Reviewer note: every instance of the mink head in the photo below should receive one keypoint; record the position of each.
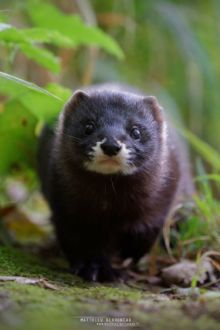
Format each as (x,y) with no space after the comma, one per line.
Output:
(111,132)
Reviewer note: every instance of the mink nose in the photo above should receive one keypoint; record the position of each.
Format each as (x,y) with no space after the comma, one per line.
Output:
(110,148)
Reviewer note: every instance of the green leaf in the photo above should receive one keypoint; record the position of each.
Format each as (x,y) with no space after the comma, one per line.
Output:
(41,56)
(205,150)
(10,34)
(48,36)
(12,90)
(17,140)
(26,84)
(62,92)
(43,107)
(47,16)
(23,39)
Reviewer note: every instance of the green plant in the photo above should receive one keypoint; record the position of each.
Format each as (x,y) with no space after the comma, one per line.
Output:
(27,106)
(200,231)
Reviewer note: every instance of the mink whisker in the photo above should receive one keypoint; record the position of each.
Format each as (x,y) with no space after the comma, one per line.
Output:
(72,137)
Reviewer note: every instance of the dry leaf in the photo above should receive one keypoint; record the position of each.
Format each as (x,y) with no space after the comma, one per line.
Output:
(184,272)
(22,228)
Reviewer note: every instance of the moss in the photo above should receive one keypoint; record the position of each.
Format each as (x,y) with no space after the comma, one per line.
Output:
(34,307)
(16,262)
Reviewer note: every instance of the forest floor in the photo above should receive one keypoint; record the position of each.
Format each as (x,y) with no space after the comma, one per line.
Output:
(39,293)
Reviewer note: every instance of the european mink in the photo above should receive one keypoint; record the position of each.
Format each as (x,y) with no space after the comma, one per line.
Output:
(111,171)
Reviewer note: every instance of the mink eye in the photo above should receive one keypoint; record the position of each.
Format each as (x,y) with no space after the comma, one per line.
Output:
(89,128)
(135,133)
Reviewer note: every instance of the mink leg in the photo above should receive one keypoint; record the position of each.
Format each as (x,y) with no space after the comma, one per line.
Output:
(95,269)
(136,244)
(86,256)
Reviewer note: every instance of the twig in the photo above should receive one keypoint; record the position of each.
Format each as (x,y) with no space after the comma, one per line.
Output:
(207,285)
(25,280)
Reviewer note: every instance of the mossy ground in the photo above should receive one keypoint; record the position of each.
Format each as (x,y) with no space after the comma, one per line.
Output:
(35,307)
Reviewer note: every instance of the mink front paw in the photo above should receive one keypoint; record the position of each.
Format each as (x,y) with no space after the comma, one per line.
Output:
(95,270)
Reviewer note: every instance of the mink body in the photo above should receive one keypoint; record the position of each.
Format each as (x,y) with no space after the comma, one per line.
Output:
(111,171)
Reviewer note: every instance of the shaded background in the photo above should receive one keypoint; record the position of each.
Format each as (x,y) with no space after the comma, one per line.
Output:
(166,48)
(171,50)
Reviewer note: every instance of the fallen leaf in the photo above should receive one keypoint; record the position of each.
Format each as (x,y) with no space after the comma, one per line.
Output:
(183,273)
(21,228)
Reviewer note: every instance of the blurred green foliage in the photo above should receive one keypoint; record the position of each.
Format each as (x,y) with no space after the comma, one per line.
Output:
(171,50)
(27,106)
(168,48)
(201,231)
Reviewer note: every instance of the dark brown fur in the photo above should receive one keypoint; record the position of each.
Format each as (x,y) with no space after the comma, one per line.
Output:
(96,216)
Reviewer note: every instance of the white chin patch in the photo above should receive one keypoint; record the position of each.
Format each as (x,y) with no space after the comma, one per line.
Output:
(104,164)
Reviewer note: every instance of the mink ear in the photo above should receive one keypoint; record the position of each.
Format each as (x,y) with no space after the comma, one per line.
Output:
(78,97)
(152,104)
